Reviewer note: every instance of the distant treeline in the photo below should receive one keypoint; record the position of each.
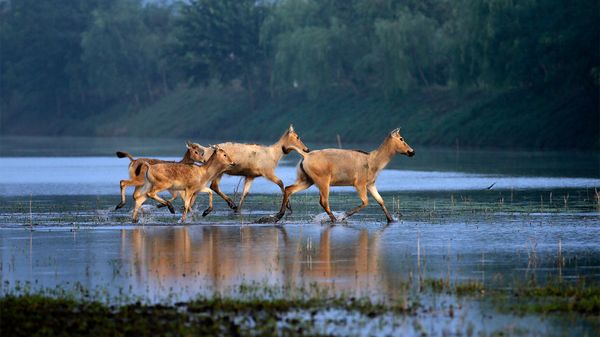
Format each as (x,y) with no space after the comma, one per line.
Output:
(63,62)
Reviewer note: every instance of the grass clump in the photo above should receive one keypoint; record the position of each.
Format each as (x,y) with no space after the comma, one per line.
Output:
(579,298)
(440,285)
(37,315)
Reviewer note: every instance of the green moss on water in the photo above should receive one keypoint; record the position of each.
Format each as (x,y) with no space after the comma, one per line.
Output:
(579,298)
(469,288)
(36,315)
(442,285)
(260,310)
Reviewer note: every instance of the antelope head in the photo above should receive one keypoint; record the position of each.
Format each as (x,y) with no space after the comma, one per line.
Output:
(222,157)
(399,144)
(290,138)
(196,151)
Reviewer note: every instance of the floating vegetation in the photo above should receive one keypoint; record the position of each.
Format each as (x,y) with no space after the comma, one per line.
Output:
(262,310)
(581,298)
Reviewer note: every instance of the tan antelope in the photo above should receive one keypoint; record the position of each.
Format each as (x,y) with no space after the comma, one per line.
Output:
(137,170)
(186,179)
(336,167)
(255,160)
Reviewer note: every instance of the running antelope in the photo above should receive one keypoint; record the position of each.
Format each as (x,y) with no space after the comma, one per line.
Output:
(137,170)
(336,167)
(186,179)
(255,160)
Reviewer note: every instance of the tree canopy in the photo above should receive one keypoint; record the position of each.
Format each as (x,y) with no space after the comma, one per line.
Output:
(78,58)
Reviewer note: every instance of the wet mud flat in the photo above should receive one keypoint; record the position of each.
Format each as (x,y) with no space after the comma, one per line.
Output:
(470,263)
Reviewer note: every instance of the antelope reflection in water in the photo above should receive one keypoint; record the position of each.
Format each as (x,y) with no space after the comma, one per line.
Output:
(192,259)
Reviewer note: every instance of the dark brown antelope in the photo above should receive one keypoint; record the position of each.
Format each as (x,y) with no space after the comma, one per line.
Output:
(137,170)
(187,179)
(256,161)
(336,167)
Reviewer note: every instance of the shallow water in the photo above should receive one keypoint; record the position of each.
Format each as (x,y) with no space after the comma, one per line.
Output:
(156,262)
(100,176)
(539,222)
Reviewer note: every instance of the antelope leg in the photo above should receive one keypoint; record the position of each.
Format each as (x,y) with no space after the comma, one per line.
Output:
(215,187)
(373,190)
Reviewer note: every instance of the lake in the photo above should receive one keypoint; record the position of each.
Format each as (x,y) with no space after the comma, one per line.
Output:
(539,222)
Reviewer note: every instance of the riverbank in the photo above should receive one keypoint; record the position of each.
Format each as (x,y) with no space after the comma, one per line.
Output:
(550,119)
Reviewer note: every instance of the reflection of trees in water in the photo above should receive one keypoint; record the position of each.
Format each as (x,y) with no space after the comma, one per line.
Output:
(219,257)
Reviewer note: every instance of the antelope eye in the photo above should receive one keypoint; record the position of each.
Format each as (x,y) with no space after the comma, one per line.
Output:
(402,139)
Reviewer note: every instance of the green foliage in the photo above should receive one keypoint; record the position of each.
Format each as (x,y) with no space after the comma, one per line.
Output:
(123,51)
(40,62)
(527,43)
(582,298)
(64,61)
(507,119)
(219,39)
(39,315)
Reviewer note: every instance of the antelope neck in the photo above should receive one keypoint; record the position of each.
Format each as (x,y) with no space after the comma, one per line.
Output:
(380,157)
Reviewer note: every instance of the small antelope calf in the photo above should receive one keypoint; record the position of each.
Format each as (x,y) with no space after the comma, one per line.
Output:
(187,179)
(255,160)
(336,167)
(137,170)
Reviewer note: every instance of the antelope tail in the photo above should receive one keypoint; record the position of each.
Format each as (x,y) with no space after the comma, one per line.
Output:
(139,168)
(121,154)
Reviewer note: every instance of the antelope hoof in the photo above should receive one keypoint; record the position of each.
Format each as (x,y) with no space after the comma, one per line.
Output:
(134,220)
(171,208)
(270,218)
(207,211)
(120,205)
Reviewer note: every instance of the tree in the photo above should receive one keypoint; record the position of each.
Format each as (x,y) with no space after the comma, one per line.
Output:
(528,43)
(220,40)
(40,64)
(124,51)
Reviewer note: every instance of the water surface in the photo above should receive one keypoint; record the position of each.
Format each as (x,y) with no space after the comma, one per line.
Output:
(100,176)
(502,219)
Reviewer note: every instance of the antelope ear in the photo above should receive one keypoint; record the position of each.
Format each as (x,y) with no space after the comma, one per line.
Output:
(291,128)
(188,144)
(395,132)
(201,148)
